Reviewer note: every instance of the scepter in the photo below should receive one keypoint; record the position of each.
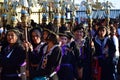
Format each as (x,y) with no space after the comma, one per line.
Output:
(89,41)
(88,12)
(25,68)
(24,19)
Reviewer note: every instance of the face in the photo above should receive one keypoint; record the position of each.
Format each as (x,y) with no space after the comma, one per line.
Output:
(11,37)
(96,27)
(113,31)
(63,40)
(102,33)
(45,35)
(36,38)
(79,34)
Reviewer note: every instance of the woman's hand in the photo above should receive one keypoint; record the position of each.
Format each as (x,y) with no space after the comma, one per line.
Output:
(27,45)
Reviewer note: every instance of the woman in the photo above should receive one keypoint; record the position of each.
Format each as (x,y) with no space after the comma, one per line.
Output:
(104,50)
(51,56)
(67,65)
(115,56)
(82,50)
(12,56)
(34,49)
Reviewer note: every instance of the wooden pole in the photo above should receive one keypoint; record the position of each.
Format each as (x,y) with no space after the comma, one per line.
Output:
(89,11)
(27,55)
(25,67)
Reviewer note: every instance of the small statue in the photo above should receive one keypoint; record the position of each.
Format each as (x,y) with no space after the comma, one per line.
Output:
(107,6)
(45,5)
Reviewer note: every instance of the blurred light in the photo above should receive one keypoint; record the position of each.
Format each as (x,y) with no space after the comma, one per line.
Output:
(1,0)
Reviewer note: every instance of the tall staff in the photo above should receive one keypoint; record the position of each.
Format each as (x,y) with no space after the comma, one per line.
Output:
(56,12)
(89,12)
(25,67)
(24,19)
(107,7)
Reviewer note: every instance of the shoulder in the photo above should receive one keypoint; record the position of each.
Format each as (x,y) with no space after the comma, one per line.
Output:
(72,43)
(56,47)
(19,48)
(43,45)
(56,50)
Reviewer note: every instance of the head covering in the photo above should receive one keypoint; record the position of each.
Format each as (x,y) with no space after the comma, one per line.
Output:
(69,34)
(52,37)
(38,31)
(15,30)
(50,28)
(78,27)
(63,34)
(62,29)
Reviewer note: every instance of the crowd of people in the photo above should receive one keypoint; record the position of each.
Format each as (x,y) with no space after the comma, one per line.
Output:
(59,53)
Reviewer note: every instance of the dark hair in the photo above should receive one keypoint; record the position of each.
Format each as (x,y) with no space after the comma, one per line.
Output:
(33,30)
(52,37)
(69,34)
(78,27)
(102,28)
(112,28)
(16,31)
(50,27)
(63,34)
